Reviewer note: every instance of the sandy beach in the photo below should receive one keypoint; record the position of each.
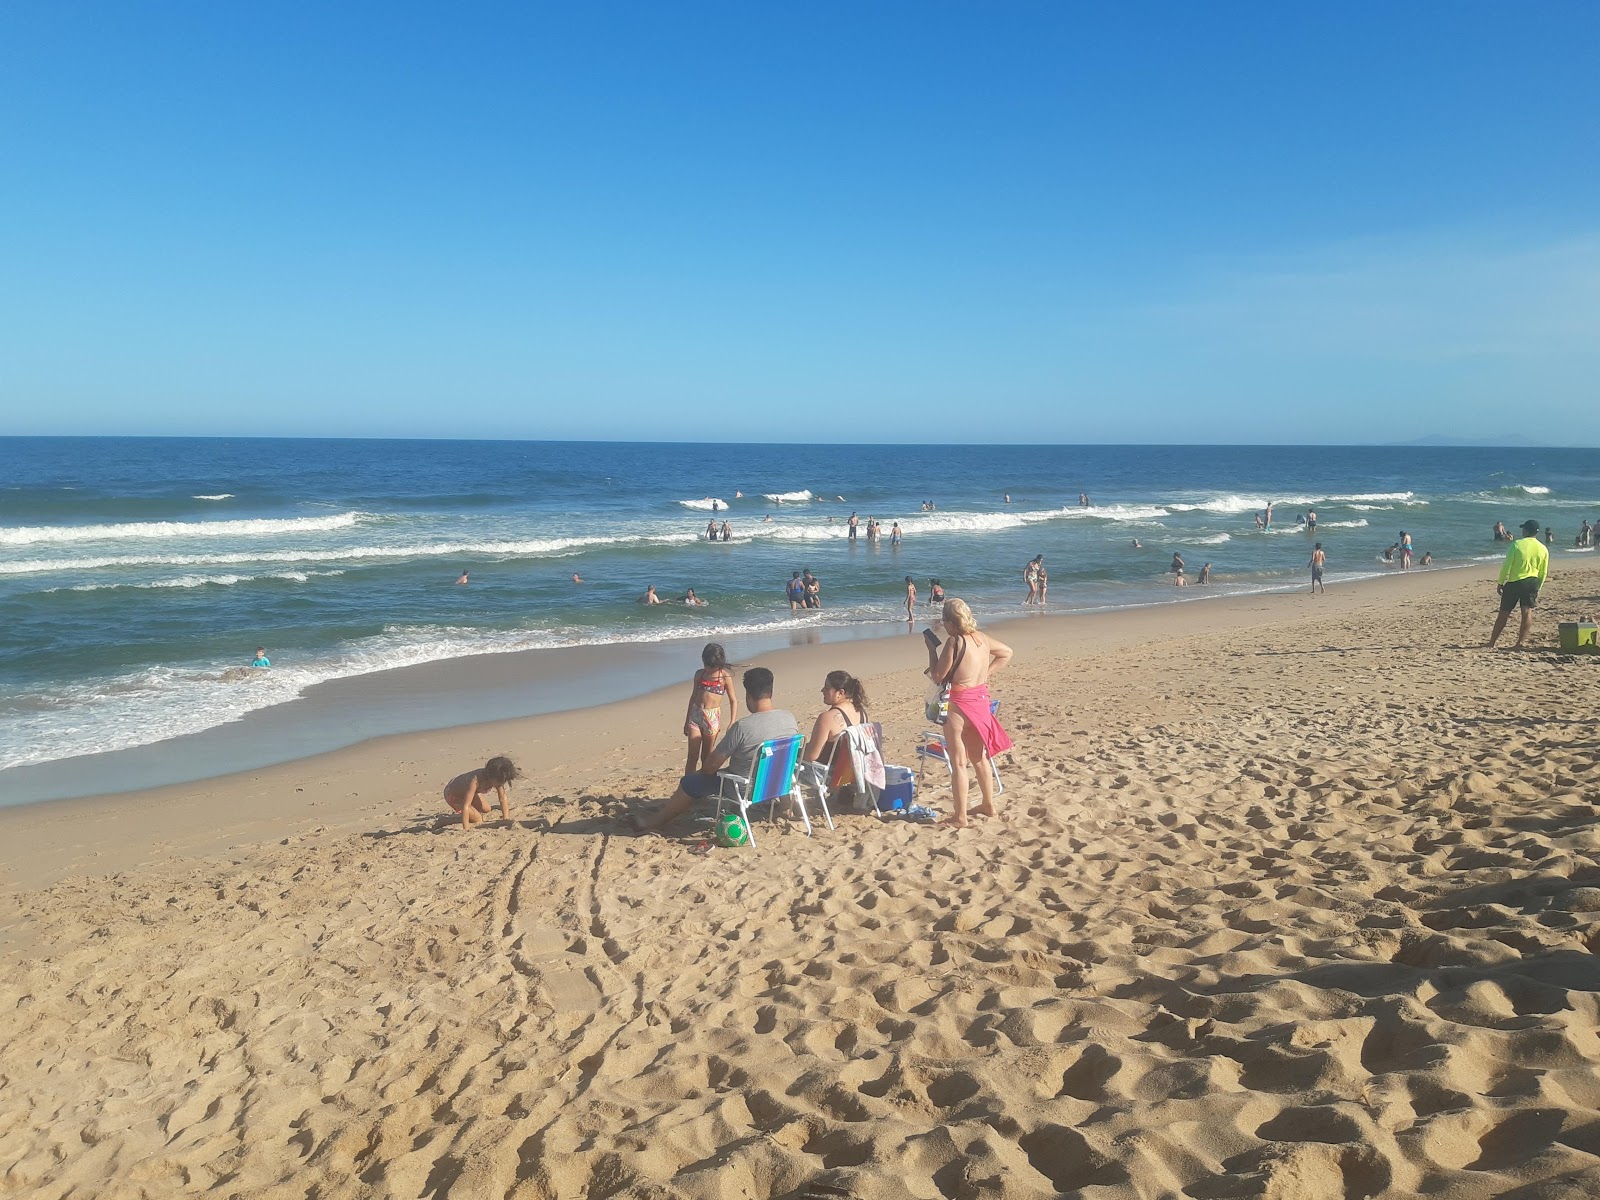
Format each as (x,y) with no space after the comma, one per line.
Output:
(1288,896)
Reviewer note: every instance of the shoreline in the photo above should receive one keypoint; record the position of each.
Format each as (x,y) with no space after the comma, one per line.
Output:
(476,689)
(356,785)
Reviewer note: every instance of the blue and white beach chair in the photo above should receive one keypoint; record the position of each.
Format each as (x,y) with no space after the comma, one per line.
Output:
(770,780)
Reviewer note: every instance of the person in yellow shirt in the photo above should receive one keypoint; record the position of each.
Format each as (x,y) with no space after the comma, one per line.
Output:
(1526,566)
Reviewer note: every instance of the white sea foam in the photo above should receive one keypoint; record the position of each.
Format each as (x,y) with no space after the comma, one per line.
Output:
(1358,523)
(788,497)
(194,581)
(1216,539)
(152,705)
(709,504)
(1233,503)
(29,535)
(1117,512)
(1531,489)
(534,547)
(218,496)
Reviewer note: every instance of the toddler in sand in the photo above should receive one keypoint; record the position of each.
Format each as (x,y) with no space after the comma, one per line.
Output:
(468,792)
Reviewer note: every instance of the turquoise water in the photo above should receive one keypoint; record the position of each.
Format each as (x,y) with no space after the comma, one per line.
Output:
(138,575)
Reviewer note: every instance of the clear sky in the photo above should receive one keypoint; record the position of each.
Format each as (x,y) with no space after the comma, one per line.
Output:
(817,221)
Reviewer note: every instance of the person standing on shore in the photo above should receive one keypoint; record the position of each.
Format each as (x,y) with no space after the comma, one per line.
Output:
(1318,558)
(971,732)
(1030,576)
(1405,551)
(702,723)
(1524,571)
(911,600)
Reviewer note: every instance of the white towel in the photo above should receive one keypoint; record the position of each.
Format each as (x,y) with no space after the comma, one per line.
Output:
(867,755)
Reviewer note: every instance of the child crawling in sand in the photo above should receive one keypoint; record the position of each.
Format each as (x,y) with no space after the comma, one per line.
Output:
(468,793)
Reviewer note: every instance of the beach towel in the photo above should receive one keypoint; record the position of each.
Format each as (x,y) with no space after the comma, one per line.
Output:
(858,764)
(867,755)
(973,704)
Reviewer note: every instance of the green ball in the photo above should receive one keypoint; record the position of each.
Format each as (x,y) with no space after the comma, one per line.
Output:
(731,830)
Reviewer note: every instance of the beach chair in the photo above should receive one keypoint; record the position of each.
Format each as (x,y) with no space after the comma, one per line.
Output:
(931,748)
(844,768)
(771,779)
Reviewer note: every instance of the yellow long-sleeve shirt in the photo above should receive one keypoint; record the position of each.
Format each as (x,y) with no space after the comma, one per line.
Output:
(1526,558)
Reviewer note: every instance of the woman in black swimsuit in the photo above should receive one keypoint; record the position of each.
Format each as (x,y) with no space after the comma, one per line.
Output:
(847,705)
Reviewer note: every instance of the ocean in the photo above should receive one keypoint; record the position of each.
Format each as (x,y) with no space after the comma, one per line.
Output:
(137,575)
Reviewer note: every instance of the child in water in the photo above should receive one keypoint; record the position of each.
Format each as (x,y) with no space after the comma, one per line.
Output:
(468,793)
(702,724)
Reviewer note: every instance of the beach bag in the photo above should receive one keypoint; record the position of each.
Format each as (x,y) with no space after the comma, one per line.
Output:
(936,706)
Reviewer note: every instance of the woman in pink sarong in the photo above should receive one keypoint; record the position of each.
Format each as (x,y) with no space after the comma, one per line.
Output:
(972,734)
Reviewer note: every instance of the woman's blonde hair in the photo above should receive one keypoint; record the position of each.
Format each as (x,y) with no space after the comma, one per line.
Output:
(958,614)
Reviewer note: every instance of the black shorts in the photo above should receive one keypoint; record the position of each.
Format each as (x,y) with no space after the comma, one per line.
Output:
(1519,591)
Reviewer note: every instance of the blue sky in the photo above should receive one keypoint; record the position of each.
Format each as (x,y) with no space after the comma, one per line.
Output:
(1002,222)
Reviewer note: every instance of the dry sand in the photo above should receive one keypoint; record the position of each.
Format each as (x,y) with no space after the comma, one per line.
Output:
(1287,897)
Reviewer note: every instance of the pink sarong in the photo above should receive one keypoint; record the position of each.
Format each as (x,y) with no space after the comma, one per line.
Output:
(973,705)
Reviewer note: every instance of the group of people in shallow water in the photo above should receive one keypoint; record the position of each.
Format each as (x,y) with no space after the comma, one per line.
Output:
(688,598)
(960,664)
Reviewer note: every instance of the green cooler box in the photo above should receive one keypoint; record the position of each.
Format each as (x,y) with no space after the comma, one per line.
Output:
(1579,637)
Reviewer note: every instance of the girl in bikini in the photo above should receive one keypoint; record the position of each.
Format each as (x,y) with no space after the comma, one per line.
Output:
(702,724)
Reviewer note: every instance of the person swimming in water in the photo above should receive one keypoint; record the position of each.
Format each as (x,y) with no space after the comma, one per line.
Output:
(462,581)
(261,658)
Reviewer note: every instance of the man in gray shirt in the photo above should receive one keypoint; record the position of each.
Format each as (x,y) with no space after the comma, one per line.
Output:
(736,752)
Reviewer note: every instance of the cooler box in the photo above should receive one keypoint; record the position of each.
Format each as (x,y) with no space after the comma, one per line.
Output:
(897,789)
(1579,637)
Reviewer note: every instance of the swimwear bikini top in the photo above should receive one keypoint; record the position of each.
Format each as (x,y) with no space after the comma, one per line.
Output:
(713,684)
